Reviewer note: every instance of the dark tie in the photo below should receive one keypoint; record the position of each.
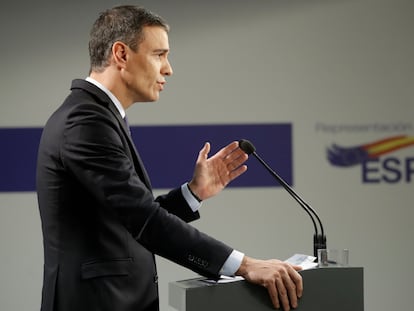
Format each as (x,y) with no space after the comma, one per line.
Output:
(127,124)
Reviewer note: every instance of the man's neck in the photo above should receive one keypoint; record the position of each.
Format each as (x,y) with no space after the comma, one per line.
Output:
(108,79)
(113,98)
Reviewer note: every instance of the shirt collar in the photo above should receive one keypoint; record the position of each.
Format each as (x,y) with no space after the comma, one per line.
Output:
(114,100)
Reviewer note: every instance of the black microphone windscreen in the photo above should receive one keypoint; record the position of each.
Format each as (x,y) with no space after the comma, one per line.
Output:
(246,146)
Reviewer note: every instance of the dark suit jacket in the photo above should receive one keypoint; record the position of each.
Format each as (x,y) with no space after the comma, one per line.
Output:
(101,224)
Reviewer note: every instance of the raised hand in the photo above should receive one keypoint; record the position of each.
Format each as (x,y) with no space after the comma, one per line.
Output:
(211,175)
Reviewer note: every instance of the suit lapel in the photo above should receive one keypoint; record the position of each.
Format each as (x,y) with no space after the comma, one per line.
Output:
(142,172)
(103,98)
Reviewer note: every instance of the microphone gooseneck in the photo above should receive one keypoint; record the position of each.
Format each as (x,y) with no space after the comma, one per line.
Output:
(319,240)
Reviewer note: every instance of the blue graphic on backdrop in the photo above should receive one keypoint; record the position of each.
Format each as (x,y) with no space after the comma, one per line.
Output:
(18,158)
(169,153)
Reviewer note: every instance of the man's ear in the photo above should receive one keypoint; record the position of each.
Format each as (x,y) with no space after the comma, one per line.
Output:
(119,53)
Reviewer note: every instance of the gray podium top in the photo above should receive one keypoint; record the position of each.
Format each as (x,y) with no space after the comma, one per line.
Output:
(331,288)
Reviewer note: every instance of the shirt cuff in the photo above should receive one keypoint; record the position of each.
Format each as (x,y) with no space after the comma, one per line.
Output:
(232,264)
(191,200)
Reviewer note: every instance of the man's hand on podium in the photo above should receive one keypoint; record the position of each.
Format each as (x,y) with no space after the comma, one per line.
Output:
(281,280)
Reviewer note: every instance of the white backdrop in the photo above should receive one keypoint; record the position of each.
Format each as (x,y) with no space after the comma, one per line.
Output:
(311,63)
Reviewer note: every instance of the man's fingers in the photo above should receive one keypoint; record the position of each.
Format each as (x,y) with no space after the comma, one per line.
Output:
(285,289)
(297,279)
(282,281)
(273,293)
(236,173)
(291,292)
(228,150)
(203,154)
(235,159)
(283,294)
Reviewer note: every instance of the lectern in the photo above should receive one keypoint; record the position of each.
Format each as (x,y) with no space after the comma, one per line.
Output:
(328,288)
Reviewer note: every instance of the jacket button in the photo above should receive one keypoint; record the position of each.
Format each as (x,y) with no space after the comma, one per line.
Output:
(156,279)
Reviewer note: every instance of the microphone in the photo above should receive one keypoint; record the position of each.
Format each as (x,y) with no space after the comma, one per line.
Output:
(319,239)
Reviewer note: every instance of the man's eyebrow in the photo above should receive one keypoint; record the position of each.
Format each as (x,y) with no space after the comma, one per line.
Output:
(161,50)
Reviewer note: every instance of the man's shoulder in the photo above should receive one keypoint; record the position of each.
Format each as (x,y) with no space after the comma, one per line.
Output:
(81,88)
(80,104)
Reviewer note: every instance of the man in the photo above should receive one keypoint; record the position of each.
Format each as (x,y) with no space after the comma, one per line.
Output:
(101,224)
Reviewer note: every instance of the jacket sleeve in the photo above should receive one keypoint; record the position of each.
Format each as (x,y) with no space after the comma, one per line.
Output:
(175,203)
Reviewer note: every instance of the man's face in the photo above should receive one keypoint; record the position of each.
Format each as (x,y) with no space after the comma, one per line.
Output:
(146,68)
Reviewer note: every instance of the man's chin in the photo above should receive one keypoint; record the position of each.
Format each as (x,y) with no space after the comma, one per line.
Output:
(154,97)
(148,99)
